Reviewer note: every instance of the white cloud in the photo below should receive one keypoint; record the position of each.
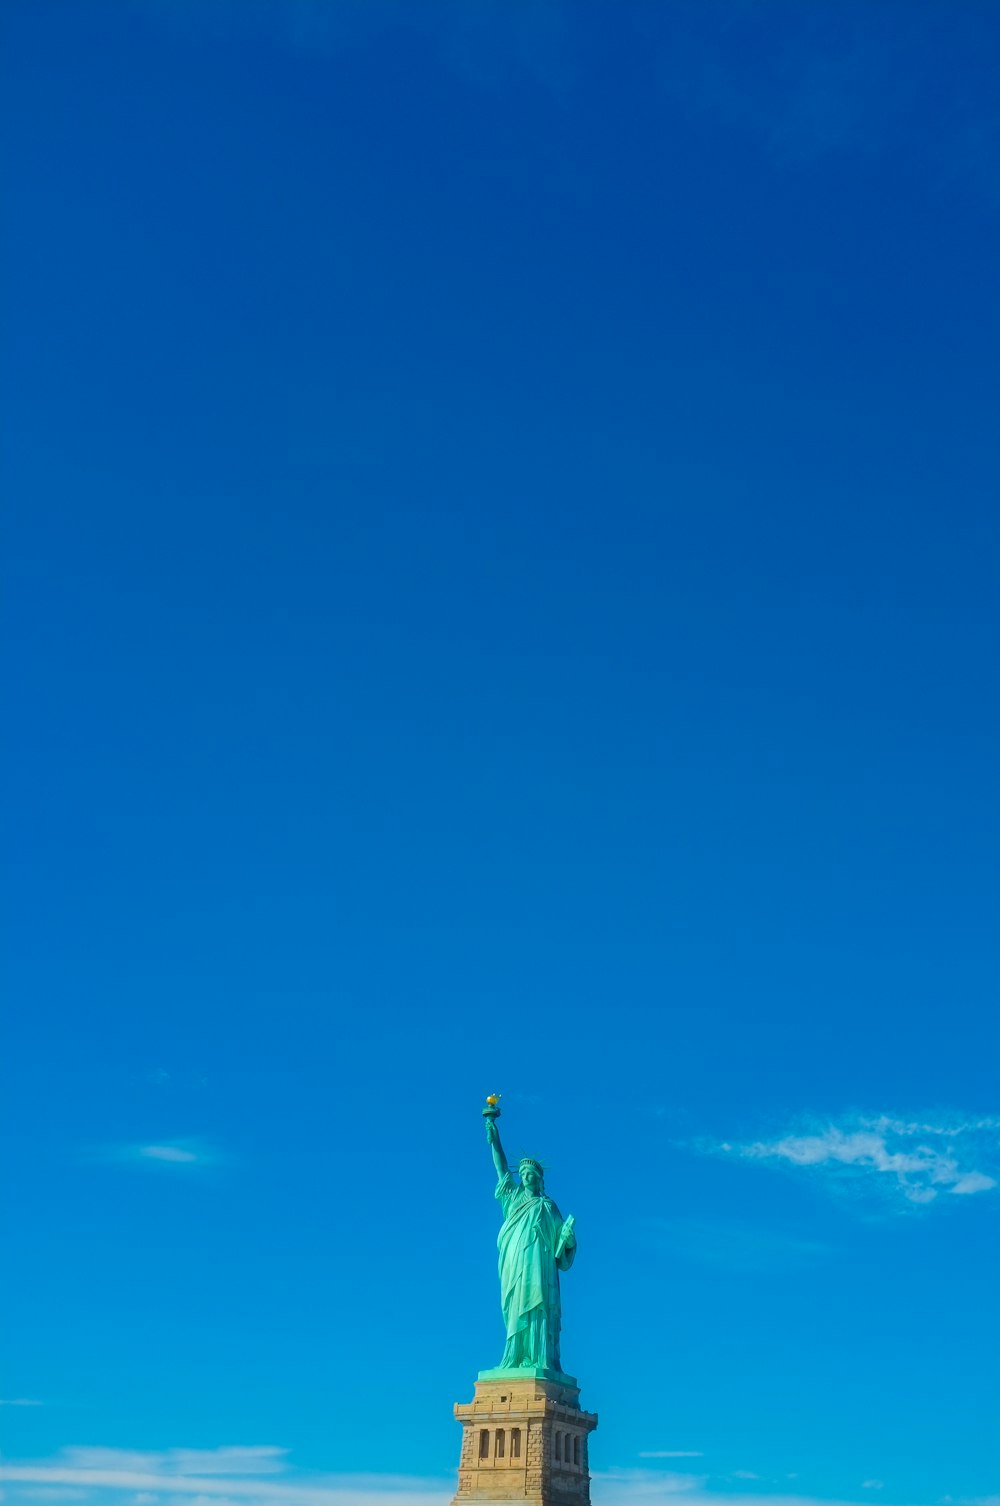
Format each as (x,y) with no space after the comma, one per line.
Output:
(177,1153)
(973,1181)
(873,1485)
(235,1460)
(646,1487)
(54,1493)
(264,1459)
(620,1487)
(233,1476)
(21,1401)
(182,1153)
(262,1476)
(910,1162)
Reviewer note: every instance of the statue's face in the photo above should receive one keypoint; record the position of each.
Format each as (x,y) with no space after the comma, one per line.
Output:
(531,1179)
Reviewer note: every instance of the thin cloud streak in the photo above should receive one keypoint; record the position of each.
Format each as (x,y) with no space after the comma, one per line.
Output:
(186,1154)
(643,1487)
(368,1490)
(230,1476)
(232,1460)
(671,1453)
(627,1485)
(176,1153)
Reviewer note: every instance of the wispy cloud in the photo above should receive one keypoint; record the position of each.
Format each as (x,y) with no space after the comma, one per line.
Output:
(178,1153)
(261,1475)
(620,1487)
(256,1475)
(21,1401)
(909,1162)
(644,1487)
(258,1459)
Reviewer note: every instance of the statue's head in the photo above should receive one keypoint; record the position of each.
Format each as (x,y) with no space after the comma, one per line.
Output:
(532,1175)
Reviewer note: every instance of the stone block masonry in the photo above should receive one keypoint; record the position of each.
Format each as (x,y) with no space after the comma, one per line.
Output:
(524,1443)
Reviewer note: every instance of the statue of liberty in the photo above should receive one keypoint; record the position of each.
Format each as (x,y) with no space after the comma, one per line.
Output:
(535,1244)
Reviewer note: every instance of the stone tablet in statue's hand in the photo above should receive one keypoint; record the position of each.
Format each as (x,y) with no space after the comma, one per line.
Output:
(567,1239)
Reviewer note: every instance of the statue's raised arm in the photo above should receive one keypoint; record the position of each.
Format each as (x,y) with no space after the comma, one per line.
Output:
(493,1138)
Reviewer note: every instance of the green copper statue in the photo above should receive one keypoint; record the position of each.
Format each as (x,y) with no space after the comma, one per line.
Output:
(535,1244)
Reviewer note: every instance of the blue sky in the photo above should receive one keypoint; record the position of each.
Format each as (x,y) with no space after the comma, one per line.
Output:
(501,544)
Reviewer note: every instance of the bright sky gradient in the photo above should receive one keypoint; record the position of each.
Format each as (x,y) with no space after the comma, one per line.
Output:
(501,538)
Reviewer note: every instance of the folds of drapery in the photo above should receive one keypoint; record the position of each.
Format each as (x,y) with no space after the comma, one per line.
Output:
(529,1274)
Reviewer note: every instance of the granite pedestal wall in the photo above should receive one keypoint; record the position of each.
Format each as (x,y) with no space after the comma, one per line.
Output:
(524,1443)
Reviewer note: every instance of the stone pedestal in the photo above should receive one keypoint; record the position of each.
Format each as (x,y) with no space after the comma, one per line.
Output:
(524,1441)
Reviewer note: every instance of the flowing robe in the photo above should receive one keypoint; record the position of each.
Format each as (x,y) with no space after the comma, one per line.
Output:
(529,1275)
